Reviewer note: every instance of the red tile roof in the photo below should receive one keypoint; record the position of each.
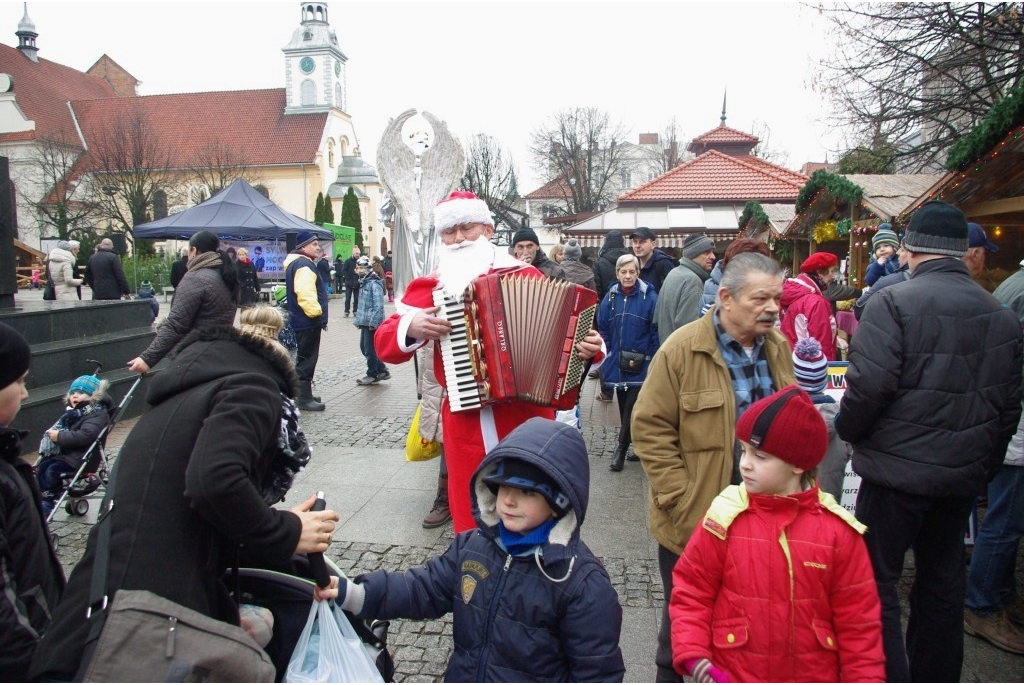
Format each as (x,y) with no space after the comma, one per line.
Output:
(250,123)
(717,176)
(42,90)
(724,134)
(552,190)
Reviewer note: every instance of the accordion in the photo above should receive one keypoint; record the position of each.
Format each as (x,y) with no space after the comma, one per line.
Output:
(514,337)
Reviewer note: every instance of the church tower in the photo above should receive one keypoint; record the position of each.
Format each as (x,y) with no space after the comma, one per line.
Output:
(314,65)
(27,35)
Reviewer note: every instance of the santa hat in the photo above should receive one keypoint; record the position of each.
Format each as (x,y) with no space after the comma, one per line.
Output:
(461,207)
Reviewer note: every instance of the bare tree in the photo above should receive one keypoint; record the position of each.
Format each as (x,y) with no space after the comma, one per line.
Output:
(490,173)
(920,75)
(764,148)
(583,148)
(129,163)
(217,165)
(672,148)
(67,212)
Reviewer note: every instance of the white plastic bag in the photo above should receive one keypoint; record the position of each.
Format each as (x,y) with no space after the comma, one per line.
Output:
(329,651)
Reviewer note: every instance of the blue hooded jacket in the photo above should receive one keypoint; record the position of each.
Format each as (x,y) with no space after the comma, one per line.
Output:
(550,616)
(626,322)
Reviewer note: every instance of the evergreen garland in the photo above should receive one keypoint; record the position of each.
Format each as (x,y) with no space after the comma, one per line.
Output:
(753,211)
(1000,120)
(837,186)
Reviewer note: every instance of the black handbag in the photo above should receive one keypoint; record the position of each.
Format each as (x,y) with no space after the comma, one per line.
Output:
(631,362)
(49,292)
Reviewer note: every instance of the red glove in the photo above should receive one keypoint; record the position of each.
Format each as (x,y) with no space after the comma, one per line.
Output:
(703,671)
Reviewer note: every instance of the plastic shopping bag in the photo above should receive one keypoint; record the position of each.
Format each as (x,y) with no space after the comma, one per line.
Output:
(416,448)
(329,651)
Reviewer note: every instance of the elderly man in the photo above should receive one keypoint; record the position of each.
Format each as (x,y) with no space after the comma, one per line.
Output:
(105,275)
(654,264)
(684,423)
(307,310)
(464,225)
(933,395)
(680,294)
(526,248)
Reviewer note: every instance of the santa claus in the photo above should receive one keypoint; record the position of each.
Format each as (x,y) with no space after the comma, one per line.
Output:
(464,226)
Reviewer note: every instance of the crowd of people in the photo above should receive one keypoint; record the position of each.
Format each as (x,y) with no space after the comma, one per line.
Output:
(719,370)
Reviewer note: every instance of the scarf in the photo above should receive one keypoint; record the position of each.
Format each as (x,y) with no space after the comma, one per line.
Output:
(292,455)
(48,448)
(518,544)
(205,260)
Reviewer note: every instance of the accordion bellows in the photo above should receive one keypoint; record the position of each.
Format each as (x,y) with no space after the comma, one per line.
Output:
(514,337)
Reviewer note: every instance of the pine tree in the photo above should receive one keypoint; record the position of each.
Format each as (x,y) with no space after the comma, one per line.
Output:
(351,215)
(328,210)
(318,211)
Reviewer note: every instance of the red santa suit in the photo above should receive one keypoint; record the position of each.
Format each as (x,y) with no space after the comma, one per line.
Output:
(469,434)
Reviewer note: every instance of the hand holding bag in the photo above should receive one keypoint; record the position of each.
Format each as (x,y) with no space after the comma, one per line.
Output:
(631,362)
(330,651)
(416,447)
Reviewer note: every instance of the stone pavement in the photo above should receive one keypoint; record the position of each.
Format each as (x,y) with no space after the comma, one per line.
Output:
(358,460)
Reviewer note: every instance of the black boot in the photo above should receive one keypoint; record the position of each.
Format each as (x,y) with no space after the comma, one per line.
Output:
(305,400)
(618,459)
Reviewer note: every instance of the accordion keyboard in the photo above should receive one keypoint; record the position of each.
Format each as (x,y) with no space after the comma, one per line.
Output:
(457,356)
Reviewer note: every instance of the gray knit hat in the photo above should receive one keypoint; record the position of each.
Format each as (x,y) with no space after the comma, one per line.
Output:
(937,228)
(696,245)
(572,250)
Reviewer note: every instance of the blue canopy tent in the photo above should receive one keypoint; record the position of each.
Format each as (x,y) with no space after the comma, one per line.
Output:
(239,212)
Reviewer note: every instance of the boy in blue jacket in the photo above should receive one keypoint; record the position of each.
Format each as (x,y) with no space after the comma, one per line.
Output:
(530,601)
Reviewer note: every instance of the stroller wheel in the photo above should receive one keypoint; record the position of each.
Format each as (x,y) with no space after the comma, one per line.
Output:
(78,507)
(102,473)
(69,507)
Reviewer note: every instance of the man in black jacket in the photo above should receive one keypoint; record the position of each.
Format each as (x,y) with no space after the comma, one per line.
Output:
(105,275)
(351,278)
(933,396)
(179,268)
(604,268)
(526,248)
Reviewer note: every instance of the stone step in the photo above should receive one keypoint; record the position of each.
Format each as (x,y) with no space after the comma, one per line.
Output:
(63,360)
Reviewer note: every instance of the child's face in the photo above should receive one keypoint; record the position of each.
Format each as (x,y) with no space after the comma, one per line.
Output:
(522,510)
(76,397)
(885,250)
(764,474)
(11,398)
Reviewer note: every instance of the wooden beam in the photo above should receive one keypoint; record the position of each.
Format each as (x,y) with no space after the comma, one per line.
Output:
(1005,206)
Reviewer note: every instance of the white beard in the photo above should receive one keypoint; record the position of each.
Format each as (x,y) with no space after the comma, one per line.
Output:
(458,265)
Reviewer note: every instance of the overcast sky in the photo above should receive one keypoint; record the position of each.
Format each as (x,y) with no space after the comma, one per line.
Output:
(491,67)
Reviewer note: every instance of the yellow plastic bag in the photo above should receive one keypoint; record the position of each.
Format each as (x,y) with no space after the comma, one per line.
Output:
(416,448)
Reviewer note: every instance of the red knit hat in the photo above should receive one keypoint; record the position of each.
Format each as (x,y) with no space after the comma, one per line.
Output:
(786,425)
(818,261)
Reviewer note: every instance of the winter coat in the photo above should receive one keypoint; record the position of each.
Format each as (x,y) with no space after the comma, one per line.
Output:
(807,313)
(178,270)
(684,425)
(62,272)
(832,470)
(626,322)
(1011,293)
(778,589)
(549,267)
(604,269)
(876,270)
(189,499)
(884,282)
(548,616)
(248,282)
(578,273)
(306,293)
(323,265)
(351,276)
(657,269)
(74,440)
(679,297)
(370,312)
(710,296)
(431,396)
(105,276)
(31,578)
(202,299)
(933,390)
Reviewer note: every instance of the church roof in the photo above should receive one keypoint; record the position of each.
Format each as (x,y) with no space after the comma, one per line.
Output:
(715,176)
(42,90)
(249,124)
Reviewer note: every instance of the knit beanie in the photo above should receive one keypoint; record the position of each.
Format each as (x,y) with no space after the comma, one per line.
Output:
(696,245)
(572,250)
(15,353)
(85,384)
(526,476)
(810,365)
(937,228)
(525,234)
(885,236)
(304,238)
(787,426)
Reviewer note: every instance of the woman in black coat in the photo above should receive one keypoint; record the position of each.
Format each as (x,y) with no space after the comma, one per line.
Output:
(248,281)
(204,462)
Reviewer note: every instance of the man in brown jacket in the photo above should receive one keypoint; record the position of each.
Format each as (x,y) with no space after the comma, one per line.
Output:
(701,380)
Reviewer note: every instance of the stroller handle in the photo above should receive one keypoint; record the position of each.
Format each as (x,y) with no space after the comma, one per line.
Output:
(316,559)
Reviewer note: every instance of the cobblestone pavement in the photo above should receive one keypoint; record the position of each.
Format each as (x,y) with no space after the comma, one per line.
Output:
(358,460)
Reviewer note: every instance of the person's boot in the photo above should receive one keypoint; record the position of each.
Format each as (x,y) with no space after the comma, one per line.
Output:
(618,459)
(439,514)
(305,399)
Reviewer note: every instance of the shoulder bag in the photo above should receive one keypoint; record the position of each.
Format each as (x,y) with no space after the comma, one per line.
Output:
(49,292)
(142,637)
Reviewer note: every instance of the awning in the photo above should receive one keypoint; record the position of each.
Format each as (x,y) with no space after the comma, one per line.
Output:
(673,239)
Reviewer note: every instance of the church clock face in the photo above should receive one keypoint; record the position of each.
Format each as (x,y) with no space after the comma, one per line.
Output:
(307,65)
(337,68)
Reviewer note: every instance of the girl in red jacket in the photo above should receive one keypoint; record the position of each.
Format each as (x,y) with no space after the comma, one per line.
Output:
(776,585)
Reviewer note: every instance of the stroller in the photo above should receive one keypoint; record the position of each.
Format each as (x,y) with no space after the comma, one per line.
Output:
(94,469)
(288,595)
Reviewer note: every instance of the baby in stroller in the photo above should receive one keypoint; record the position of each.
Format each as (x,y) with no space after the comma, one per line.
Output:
(67,442)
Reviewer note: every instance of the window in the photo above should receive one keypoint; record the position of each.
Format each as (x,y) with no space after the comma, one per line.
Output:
(626,180)
(159,204)
(308,92)
(198,195)
(330,153)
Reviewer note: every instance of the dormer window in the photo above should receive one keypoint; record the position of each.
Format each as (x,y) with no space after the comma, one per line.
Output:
(307,35)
